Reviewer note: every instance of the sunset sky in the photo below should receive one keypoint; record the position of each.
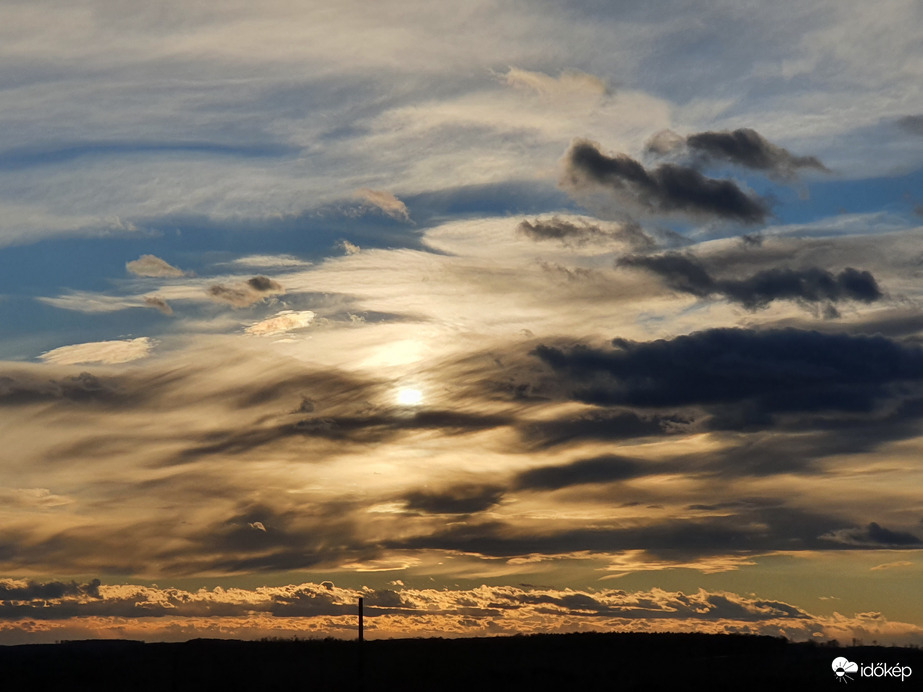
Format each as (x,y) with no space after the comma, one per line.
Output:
(506,316)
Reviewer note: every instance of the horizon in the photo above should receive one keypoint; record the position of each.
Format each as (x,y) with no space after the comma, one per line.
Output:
(507,318)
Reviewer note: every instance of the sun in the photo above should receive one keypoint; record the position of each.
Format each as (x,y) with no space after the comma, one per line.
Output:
(409,397)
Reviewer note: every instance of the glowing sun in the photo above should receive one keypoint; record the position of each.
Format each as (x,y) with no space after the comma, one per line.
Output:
(409,397)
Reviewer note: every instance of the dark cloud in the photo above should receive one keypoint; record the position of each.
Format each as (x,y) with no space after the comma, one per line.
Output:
(683,272)
(771,371)
(264,284)
(874,536)
(32,590)
(158,304)
(601,425)
(579,234)
(743,147)
(602,469)
(761,529)
(294,537)
(665,189)
(460,499)
(912,124)
(24,387)
(246,293)
(371,427)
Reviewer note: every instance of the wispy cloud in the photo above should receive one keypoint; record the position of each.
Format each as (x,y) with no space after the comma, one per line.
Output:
(386,202)
(108,352)
(151,265)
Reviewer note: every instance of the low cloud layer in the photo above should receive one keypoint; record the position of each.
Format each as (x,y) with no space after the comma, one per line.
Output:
(152,613)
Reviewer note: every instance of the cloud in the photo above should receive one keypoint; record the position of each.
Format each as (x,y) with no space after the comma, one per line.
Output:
(665,189)
(152,613)
(28,387)
(460,499)
(773,370)
(386,202)
(683,272)
(912,124)
(29,590)
(677,539)
(897,564)
(285,321)
(609,425)
(569,233)
(569,84)
(88,302)
(158,303)
(245,293)
(151,265)
(744,147)
(874,536)
(349,248)
(544,608)
(271,261)
(370,426)
(108,352)
(604,469)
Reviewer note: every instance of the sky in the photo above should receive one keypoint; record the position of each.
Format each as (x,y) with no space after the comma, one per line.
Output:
(509,317)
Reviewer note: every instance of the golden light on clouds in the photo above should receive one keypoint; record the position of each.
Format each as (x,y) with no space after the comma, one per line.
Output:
(350,303)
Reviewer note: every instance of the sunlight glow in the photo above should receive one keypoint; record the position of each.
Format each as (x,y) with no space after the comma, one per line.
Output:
(409,397)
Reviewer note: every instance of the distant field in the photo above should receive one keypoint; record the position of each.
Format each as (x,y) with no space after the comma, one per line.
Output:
(544,662)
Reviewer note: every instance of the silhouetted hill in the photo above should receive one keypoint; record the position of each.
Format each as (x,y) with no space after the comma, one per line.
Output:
(542,662)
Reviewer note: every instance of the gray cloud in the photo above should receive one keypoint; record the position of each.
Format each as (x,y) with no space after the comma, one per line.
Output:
(743,147)
(874,536)
(602,469)
(756,530)
(684,272)
(158,304)
(579,234)
(665,189)
(601,425)
(32,590)
(459,499)
(371,427)
(912,124)
(25,387)
(246,293)
(775,371)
